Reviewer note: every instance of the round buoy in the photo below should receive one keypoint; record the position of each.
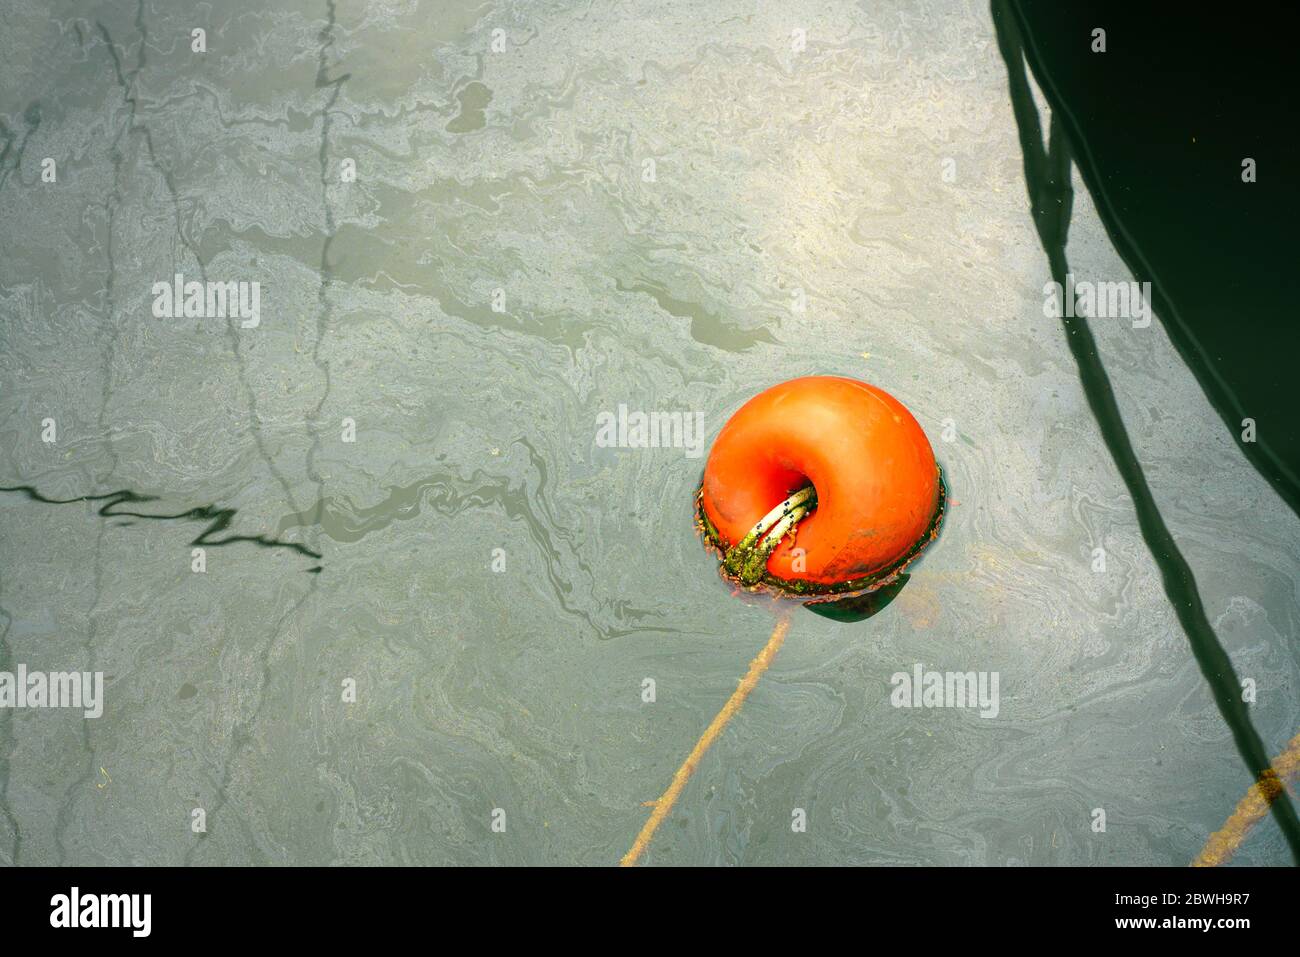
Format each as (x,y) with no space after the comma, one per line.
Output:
(820,485)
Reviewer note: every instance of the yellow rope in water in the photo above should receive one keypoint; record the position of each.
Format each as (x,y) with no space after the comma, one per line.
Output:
(669,797)
(1224,842)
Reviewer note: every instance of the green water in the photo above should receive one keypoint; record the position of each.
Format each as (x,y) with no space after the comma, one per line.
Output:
(503,270)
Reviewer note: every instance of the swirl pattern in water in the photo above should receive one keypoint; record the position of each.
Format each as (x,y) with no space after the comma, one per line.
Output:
(383,590)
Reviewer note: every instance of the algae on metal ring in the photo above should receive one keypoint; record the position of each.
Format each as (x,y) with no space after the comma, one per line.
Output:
(746,565)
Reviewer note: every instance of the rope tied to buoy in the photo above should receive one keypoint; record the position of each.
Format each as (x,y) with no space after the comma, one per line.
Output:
(747,559)
(666,800)
(880,504)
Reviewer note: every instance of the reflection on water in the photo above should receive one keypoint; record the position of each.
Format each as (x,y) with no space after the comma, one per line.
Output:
(859,607)
(218,519)
(1048,169)
(418,406)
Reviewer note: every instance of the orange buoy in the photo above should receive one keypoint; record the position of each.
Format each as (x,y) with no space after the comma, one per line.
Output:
(820,485)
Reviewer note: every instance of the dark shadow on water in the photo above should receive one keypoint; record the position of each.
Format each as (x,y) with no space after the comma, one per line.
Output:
(1161,125)
(218,519)
(1047,165)
(860,607)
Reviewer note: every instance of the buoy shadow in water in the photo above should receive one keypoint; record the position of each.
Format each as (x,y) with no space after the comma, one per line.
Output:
(859,607)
